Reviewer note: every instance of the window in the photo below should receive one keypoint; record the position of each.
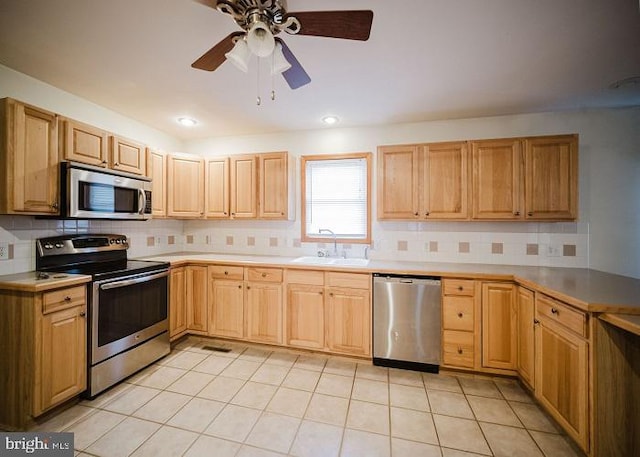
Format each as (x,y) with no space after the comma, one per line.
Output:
(336,196)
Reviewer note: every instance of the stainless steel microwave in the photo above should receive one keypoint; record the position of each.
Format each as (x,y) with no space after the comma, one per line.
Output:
(90,192)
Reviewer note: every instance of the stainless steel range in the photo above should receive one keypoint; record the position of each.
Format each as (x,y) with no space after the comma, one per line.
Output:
(127,303)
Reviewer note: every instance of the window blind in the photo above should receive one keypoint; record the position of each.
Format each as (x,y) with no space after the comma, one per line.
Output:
(336,197)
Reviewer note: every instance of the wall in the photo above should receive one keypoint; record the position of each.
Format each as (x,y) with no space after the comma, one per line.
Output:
(146,238)
(608,180)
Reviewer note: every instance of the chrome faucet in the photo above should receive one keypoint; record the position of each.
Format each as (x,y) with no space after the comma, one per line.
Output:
(335,243)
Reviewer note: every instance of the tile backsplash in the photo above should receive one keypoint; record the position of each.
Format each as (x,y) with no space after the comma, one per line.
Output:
(510,243)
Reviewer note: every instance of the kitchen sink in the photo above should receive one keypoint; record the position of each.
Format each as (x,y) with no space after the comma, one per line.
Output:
(312,260)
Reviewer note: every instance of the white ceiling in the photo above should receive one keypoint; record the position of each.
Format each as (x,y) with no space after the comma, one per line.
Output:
(425,60)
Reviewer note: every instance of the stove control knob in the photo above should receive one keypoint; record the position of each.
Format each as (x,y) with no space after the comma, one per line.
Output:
(48,246)
(112,241)
(124,241)
(118,241)
(59,245)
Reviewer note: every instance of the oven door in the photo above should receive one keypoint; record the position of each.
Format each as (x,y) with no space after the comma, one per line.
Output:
(127,311)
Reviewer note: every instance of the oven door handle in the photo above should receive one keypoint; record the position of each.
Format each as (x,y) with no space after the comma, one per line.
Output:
(130,282)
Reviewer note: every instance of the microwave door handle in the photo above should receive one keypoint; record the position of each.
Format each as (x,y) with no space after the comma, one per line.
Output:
(130,282)
(142,196)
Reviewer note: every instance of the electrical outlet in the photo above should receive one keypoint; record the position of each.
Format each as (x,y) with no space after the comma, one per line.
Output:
(4,250)
(553,250)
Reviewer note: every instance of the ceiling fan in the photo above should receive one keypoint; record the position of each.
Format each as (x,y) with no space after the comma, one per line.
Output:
(262,20)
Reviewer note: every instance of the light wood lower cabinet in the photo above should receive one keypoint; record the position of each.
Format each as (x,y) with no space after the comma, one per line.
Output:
(349,320)
(562,371)
(526,335)
(499,326)
(305,315)
(177,303)
(43,364)
(460,323)
(226,308)
(196,298)
(264,312)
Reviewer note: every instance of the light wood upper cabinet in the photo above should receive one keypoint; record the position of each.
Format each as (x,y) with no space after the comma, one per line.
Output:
(423,182)
(398,182)
(177,303)
(185,186)
(445,188)
(85,143)
(526,335)
(244,187)
(217,188)
(157,171)
(29,157)
(348,318)
(196,298)
(273,193)
(128,155)
(551,176)
(497,179)
(499,326)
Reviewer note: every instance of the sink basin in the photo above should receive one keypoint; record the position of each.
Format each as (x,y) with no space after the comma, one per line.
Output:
(311,260)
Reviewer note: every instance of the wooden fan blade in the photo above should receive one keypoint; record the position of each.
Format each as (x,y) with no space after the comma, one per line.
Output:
(295,76)
(350,25)
(214,57)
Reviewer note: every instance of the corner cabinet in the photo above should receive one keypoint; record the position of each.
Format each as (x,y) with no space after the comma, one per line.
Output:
(177,303)
(29,154)
(196,299)
(185,186)
(423,182)
(47,359)
(526,335)
(499,326)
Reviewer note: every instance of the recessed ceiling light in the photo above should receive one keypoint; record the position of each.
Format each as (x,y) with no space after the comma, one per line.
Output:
(330,120)
(187,121)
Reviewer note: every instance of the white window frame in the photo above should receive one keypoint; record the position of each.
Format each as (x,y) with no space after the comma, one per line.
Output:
(322,238)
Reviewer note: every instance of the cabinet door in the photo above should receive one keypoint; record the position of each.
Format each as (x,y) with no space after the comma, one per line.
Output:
(305,316)
(196,295)
(526,359)
(31,153)
(226,308)
(85,143)
(177,303)
(273,194)
(497,175)
(349,321)
(185,186)
(264,312)
(562,378)
(551,177)
(217,188)
(157,171)
(128,155)
(499,326)
(444,181)
(398,182)
(244,187)
(63,356)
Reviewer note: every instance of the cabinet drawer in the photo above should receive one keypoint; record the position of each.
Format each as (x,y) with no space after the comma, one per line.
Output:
(464,287)
(315,278)
(56,300)
(457,348)
(264,274)
(226,272)
(457,313)
(351,280)
(565,315)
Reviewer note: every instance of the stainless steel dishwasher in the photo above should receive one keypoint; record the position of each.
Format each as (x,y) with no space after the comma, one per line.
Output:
(407,321)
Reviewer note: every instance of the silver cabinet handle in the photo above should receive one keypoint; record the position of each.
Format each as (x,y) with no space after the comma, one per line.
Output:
(132,281)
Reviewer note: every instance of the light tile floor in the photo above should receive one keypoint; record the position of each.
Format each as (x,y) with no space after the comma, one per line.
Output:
(259,401)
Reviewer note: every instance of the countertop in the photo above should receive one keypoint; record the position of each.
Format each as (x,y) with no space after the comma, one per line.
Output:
(29,282)
(589,290)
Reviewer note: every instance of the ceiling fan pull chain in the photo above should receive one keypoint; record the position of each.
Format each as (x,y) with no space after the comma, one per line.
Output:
(258,98)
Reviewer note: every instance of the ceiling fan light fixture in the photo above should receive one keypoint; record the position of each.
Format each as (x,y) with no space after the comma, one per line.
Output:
(279,63)
(240,55)
(260,39)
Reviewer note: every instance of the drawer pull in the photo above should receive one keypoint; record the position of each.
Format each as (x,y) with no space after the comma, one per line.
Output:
(82,314)
(554,311)
(248,287)
(239,287)
(460,315)
(67,298)
(264,275)
(321,293)
(226,272)
(459,350)
(460,288)
(536,322)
